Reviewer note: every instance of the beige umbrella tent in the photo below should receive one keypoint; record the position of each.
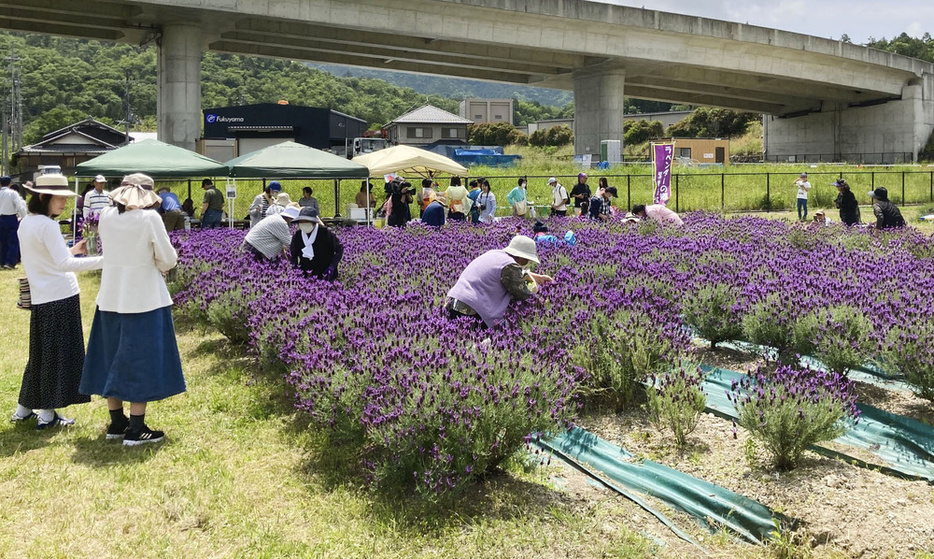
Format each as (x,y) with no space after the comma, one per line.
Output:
(408,160)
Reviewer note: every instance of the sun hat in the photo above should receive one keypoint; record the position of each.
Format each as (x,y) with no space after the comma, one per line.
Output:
(274,185)
(631,218)
(819,212)
(540,227)
(52,183)
(135,192)
(283,199)
(522,247)
(880,193)
(839,182)
(803,175)
(552,180)
(611,190)
(290,212)
(308,214)
(100,178)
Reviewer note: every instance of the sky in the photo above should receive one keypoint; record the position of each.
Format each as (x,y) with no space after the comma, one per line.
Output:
(859,19)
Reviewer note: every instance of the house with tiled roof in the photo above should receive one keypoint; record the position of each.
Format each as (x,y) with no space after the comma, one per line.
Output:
(68,146)
(426,125)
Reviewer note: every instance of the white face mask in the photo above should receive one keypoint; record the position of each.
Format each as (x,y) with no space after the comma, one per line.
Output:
(307,227)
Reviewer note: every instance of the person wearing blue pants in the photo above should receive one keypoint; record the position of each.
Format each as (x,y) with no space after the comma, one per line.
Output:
(803,187)
(212,211)
(12,209)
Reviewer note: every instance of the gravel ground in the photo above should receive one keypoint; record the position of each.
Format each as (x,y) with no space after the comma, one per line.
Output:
(844,509)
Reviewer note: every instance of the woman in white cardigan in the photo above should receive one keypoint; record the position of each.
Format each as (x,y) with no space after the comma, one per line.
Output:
(56,337)
(132,351)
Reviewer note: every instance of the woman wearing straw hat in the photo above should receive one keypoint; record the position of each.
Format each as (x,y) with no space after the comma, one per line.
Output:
(132,352)
(56,338)
(487,285)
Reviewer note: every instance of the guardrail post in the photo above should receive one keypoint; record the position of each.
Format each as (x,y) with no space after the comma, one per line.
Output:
(903,187)
(768,199)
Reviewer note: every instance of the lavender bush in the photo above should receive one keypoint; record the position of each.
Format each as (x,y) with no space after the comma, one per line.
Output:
(676,400)
(790,409)
(711,310)
(911,353)
(838,336)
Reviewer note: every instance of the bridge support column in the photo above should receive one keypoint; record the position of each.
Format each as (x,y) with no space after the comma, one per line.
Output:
(179,106)
(892,132)
(598,108)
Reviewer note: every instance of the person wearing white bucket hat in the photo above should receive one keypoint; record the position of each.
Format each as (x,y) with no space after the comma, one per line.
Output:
(56,338)
(487,285)
(132,352)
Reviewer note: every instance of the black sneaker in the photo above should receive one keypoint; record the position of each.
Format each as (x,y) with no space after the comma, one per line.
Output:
(116,431)
(143,436)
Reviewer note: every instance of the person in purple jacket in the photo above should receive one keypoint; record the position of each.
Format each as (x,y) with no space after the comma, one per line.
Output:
(487,285)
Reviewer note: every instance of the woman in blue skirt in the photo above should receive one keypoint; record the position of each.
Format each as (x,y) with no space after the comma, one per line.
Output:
(132,353)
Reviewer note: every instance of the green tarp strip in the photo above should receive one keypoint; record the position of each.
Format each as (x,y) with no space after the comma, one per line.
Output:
(705,501)
(544,445)
(905,446)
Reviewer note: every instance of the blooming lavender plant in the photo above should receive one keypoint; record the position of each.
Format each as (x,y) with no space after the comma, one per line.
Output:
(791,409)
(676,399)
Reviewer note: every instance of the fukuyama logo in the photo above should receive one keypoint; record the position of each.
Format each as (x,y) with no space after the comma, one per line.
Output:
(211,119)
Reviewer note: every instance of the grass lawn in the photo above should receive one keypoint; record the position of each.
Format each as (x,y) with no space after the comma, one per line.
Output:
(241,476)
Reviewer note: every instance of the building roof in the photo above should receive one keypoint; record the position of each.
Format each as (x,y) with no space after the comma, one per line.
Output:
(429,114)
(88,127)
(86,137)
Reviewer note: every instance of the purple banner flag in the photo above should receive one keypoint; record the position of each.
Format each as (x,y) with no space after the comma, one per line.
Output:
(661,159)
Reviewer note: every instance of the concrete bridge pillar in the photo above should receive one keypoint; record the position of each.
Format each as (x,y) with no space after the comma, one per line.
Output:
(179,68)
(598,108)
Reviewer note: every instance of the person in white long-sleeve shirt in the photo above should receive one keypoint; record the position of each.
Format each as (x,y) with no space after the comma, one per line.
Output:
(56,338)
(97,199)
(132,351)
(12,209)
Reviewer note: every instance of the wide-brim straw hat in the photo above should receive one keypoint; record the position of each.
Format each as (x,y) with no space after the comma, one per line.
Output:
(53,184)
(136,192)
(522,247)
(283,199)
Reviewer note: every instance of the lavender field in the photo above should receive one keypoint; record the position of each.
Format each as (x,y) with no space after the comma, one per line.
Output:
(434,404)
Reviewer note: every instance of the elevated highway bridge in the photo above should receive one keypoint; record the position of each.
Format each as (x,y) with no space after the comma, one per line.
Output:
(819,95)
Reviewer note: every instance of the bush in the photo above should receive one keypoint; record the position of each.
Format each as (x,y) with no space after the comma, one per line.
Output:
(838,336)
(639,131)
(633,346)
(555,136)
(230,313)
(770,323)
(711,311)
(792,409)
(911,353)
(676,400)
(492,133)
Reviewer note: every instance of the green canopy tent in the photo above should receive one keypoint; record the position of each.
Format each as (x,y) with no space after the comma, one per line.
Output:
(291,160)
(154,158)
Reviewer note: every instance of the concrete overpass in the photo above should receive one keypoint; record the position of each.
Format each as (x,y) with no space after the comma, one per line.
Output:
(822,96)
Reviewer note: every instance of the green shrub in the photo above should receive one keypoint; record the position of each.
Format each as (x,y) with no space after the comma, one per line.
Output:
(838,336)
(710,310)
(676,400)
(791,409)
(911,353)
(770,323)
(229,313)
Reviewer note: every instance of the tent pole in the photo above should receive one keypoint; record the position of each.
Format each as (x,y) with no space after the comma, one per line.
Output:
(74,216)
(337,196)
(189,190)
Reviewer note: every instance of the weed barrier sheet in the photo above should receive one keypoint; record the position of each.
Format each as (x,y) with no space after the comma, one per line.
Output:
(905,446)
(710,504)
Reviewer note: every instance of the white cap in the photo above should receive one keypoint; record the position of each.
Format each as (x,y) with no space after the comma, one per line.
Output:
(552,180)
(100,178)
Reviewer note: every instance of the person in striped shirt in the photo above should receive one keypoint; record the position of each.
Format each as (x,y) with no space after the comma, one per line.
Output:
(97,199)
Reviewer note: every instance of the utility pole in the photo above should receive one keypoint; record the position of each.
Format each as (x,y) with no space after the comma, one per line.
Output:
(16,102)
(129,118)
